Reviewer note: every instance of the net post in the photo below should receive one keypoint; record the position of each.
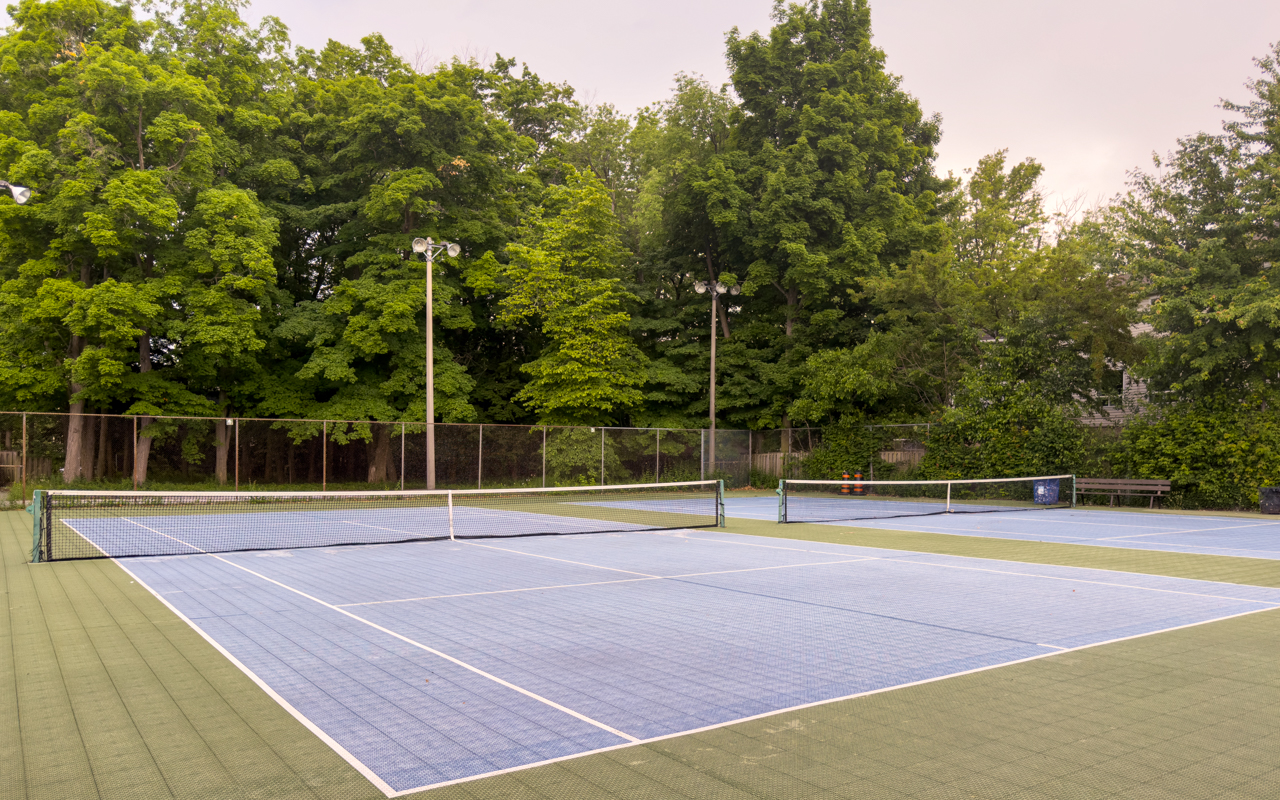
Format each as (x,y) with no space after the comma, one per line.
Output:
(1073,491)
(449,498)
(602,456)
(237,460)
(720,503)
(37,520)
(480,460)
(948,497)
(134,469)
(544,456)
(324,454)
(402,431)
(24,456)
(782,501)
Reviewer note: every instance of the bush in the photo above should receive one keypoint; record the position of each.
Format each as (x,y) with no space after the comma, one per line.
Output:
(849,445)
(1020,434)
(1216,451)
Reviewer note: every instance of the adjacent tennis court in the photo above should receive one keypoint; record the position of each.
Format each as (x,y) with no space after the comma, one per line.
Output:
(426,663)
(1180,533)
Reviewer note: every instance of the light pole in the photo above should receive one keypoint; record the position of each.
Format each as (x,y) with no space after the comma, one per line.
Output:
(716,289)
(429,249)
(21,194)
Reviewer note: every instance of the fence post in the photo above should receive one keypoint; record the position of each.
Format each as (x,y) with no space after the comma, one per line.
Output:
(480,460)
(402,456)
(751,464)
(657,456)
(134,466)
(24,457)
(602,456)
(702,454)
(324,455)
(237,458)
(544,456)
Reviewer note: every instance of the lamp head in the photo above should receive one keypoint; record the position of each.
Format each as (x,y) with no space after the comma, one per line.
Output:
(21,194)
(735,290)
(700,287)
(720,288)
(420,245)
(453,249)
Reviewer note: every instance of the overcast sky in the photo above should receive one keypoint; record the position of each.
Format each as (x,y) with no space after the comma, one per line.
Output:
(1089,88)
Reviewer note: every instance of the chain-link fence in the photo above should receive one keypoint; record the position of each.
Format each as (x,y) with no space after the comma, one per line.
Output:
(102,451)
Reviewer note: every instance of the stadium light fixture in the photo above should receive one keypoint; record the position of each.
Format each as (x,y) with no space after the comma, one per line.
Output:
(21,194)
(430,249)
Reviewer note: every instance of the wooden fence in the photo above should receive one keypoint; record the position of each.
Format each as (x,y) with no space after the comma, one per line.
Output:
(775,463)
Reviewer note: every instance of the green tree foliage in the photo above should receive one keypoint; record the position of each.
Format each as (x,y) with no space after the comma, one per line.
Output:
(1217,451)
(1002,426)
(1004,289)
(140,270)
(564,272)
(1202,240)
(828,181)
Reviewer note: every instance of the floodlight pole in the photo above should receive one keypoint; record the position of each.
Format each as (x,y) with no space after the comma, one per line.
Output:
(716,289)
(429,249)
(431,373)
(715,296)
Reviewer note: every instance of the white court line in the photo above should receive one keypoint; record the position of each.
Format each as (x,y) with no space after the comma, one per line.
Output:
(495,591)
(1027,574)
(564,560)
(1190,530)
(343,752)
(1056,652)
(407,640)
(1273,603)
(601,583)
(1193,549)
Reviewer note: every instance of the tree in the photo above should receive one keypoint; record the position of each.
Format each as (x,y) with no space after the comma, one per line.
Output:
(1005,292)
(828,181)
(564,272)
(1201,240)
(135,260)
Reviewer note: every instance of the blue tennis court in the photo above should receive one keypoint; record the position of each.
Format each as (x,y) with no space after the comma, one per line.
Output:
(428,663)
(1180,533)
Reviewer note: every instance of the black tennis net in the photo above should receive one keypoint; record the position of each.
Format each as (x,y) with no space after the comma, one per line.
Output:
(848,500)
(85,524)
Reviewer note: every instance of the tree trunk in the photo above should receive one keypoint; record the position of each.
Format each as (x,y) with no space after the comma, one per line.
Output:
(381,469)
(104,449)
(75,424)
(221,439)
(144,452)
(88,442)
(75,437)
(144,442)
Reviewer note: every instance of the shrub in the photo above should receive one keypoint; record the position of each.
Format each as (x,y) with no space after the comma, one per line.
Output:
(1216,451)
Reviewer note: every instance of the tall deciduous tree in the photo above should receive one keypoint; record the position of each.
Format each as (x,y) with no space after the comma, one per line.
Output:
(1203,241)
(564,272)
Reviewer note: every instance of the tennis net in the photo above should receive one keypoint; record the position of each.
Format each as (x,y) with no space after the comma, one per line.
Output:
(96,524)
(847,500)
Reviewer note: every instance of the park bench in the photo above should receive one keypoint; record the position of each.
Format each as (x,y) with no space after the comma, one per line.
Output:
(1123,487)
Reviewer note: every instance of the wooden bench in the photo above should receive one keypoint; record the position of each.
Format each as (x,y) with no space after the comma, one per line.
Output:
(1124,487)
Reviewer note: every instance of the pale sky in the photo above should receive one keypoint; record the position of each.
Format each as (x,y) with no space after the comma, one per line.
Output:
(1089,88)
